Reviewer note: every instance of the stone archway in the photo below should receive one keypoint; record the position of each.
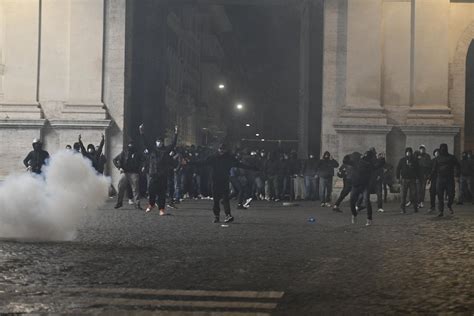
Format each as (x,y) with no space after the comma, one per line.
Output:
(457,76)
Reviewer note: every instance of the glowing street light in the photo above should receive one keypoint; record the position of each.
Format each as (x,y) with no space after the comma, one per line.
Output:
(257,134)
(221,86)
(248,125)
(263,139)
(240,106)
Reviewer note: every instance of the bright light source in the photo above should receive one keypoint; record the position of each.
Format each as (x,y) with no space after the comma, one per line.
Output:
(248,125)
(263,139)
(221,86)
(257,134)
(240,106)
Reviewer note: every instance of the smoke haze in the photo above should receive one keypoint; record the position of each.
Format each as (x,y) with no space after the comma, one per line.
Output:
(51,206)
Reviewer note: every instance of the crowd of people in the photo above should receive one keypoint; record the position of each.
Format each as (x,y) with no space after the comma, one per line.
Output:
(167,174)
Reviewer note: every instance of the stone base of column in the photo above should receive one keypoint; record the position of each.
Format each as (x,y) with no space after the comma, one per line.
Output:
(433,115)
(430,135)
(20,111)
(360,137)
(363,116)
(84,111)
(67,131)
(17,136)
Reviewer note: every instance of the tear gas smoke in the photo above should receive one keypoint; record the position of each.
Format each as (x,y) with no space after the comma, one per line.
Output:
(51,206)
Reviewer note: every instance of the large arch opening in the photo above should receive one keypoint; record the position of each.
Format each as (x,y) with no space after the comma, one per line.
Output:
(469,107)
(179,52)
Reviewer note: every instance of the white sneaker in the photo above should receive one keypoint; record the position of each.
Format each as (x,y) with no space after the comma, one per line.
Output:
(357,208)
(130,202)
(380,210)
(408,204)
(354,219)
(149,208)
(247,202)
(421,205)
(369,222)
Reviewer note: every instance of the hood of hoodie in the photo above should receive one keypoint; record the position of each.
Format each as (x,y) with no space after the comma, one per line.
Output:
(443,149)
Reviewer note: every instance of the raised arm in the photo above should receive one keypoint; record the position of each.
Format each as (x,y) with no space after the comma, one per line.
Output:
(83,149)
(146,142)
(101,147)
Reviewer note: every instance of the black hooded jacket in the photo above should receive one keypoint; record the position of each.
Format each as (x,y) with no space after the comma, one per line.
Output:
(326,166)
(159,160)
(408,167)
(36,159)
(94,157)
(363,168)
(445,165)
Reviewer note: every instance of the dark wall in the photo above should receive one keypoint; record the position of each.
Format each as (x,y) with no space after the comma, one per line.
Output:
(469,115)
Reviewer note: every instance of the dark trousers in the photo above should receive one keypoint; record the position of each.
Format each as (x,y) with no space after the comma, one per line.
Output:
(346,189)
(409,184)
(157,188)
(378,191)
(325,189)
(445,185)
(465,189)
(433,193)
(356,192)
(221,192)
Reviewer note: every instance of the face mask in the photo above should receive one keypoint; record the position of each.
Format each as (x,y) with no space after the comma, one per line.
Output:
(408,154)
(90,150)
(262,155)
(158,143)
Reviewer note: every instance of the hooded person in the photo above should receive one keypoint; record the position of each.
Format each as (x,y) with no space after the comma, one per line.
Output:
(221,164)
(309,171)
(445,168)
(408,172)
(129,162)
(433,179)
(326,168)
(424,160)
(465,178)
(345,173)
(159,164)
(37,158)
(91,153)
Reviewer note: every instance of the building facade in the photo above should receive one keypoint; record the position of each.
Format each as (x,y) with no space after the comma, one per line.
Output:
(393,74)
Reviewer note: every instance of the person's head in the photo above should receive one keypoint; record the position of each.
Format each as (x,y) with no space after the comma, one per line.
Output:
(436,152)
(409,152)
(262,154)
(90,149)
(443,149)
(381,155)
(222,149)
(68,147)
(422,149)
(326,155)
(346,160)
(76,146)
(464,155)
(37,145)
(369,155)
(131,147)
(372,149)
(160,142)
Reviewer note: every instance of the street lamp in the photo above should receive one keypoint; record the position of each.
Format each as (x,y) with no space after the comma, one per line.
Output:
(257,134)
(248,125)
(221,86)
(263,139)
(240,106)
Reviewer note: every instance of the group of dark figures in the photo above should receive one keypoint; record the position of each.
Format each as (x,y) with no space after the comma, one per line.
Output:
(150,168)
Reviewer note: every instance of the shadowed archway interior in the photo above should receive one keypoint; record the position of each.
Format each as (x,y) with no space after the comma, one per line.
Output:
(469,109)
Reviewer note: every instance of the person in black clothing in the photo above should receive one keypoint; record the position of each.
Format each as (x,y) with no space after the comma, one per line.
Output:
(425,163)
(326,168)
(221,165)
(465,189)
(91,153)
(433,180)
(37,158)
(361,182)
(345,173)
(129,162)
(271,169)
(408,172)
(378,181)
(387,180)
(444,168)
(159,164)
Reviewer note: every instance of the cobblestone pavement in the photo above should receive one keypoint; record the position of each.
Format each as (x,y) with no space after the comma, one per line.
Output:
(270,261)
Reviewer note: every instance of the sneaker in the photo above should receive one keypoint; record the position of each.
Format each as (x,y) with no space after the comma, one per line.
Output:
(353,219)
(380,210)
(247,203)
(229,219)
(336,209)
(216,219)
(149,208)
(118,205)
(451,210)
(277,200)
(241,207)
(408,204)
(323,204)
(421,205)
(162,212)
(357,208)
(369,222)
(130,202)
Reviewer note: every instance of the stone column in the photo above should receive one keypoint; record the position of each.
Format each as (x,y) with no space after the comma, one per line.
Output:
(362,122)
(429,72)
(21,118)
(303,111)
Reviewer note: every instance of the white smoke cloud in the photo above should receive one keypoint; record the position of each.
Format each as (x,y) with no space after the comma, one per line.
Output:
(50,207)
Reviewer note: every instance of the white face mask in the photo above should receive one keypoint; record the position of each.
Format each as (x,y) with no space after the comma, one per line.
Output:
(158,143)
(90,151)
